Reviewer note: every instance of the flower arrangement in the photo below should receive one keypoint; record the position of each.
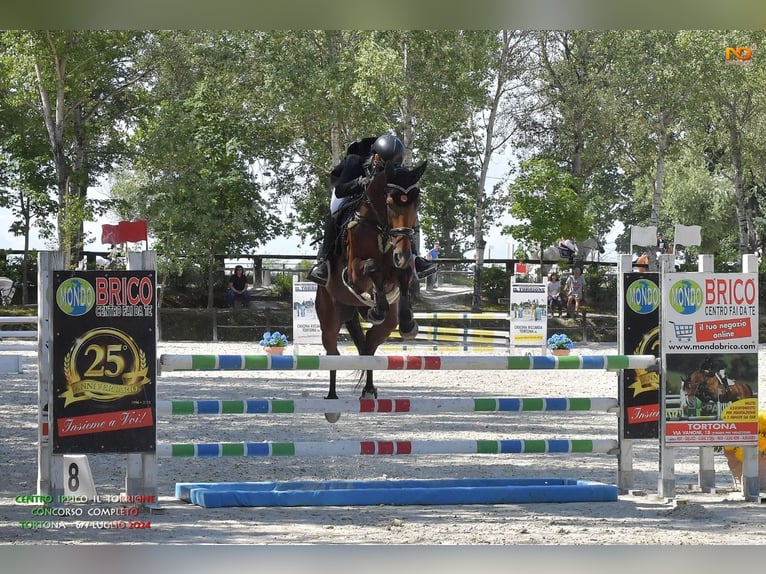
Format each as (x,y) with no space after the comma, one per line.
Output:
(559,341)
(737,451)
(275,339)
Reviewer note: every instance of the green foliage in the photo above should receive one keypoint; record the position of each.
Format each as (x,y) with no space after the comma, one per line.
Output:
(544,199)
(283,285)
(220,134)
(601,287)
(496,283)
(11,266)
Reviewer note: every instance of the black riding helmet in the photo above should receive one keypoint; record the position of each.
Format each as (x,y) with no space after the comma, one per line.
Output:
(389,148)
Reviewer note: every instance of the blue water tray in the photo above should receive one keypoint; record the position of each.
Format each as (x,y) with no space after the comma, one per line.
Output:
(423,492)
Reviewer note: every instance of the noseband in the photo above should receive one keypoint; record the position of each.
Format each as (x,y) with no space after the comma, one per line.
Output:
(399,196)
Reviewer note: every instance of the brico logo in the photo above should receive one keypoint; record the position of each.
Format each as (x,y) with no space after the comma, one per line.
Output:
(738,55)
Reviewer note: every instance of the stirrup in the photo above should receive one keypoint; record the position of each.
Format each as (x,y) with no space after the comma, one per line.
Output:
(426,269)
(316,275)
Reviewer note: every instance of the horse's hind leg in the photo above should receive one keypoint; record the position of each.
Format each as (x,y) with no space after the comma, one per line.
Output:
(373,338)
(369,391)
(357,335)
(330,324)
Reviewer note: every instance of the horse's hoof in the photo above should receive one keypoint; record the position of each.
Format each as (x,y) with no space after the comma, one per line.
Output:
(374,318)
(410,333)
(370,395)
(332,417)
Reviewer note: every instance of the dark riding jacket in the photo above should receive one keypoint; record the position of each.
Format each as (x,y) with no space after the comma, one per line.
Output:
(345,177)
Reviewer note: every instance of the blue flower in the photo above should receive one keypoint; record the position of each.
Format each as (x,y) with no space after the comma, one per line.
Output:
(560,341)
(275,339)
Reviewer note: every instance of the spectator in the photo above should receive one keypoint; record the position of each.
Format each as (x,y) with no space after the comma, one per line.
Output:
(662,244)
(433,255)
(575,292)
(238,288)
(554,293)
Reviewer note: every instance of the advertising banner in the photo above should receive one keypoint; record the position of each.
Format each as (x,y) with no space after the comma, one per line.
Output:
(306,328)
(529,314)
(710,350)
(641,390)
(104,362)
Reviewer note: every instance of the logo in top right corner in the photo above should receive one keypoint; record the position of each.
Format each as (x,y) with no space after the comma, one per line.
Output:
(739,54)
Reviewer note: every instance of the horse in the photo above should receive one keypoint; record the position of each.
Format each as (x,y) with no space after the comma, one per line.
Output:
(709,388)
(583,252)
(374,271)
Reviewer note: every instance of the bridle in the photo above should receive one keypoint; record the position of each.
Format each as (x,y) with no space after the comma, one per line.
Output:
(388,236)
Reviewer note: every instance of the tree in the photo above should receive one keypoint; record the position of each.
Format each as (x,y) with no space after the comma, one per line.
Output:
(544,198)
(497,123)
(83,82)
(738,107)
(192,176)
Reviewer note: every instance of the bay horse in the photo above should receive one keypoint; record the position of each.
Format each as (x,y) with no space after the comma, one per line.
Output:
(709,388)
(373,272)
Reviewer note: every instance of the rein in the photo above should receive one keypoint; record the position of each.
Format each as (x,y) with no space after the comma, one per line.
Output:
(387,232)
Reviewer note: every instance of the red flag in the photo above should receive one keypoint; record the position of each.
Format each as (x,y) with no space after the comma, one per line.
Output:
(124,231)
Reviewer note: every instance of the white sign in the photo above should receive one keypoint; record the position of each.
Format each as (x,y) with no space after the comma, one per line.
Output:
(710,358)
(708,312)
(529,314)
(306,328)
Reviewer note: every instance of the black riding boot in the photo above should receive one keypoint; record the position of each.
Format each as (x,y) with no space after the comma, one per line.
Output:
(320,272)
(423,267)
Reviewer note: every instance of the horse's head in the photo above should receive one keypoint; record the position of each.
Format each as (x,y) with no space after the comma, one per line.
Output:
(705,386)
(395,197)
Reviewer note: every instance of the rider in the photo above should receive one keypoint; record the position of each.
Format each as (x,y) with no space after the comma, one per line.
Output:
(364,159)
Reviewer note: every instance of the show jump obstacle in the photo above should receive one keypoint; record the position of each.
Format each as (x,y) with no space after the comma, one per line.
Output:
(142,458)
(142,464)
(442,491)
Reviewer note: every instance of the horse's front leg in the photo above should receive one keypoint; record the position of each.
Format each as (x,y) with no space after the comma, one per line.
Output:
(408,327)
(377,313)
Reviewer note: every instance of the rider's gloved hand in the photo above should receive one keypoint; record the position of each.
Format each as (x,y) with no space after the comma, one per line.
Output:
(363,181)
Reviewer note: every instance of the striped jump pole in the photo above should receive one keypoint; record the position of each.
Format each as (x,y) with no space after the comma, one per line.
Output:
(386,448)
(393,406)
(491,340)
(401,362)
(18,334)
(467,316)
(426,347)
(432,332)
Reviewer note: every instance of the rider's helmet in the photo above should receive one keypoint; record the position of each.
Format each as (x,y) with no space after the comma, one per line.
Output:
(389,148)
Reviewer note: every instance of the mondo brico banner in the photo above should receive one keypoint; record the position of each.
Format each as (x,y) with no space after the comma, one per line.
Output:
(641,336)
(710,357)
(104,362)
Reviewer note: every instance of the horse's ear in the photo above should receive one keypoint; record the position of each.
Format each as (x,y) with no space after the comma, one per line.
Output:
(420,170)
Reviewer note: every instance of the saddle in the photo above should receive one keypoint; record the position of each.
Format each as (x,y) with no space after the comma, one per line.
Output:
(344,219)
